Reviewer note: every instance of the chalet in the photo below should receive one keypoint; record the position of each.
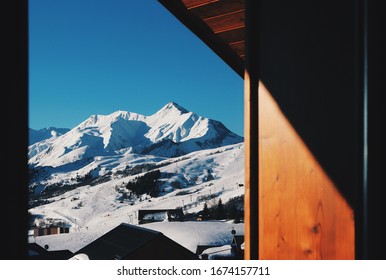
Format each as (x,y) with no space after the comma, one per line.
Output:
(50,229)
(159,215)
(234,252)
(130,242)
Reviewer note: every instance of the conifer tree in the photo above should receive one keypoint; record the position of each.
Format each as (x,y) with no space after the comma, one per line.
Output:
(220,210)
(205,211)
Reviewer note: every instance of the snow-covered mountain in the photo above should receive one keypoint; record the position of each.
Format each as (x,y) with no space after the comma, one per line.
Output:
(100,173)
(45,133)
(170,132)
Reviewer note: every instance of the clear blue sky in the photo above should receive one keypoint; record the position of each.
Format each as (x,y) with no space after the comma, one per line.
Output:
(99,56)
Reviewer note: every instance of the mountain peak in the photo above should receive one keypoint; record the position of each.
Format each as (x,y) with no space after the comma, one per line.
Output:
(121,114)
(174,106)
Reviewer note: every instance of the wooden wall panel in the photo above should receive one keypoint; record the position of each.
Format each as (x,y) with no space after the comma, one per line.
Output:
(301,213)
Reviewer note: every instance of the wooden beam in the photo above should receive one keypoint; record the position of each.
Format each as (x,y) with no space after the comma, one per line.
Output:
(251,121)
(309,161)
(251,210)
(302,215)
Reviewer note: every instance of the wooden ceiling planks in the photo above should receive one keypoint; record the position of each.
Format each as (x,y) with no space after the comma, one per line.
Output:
(218,23)
(226,22)
(231,36)
(217,8)
(197,3)
(238,47)
(224,17)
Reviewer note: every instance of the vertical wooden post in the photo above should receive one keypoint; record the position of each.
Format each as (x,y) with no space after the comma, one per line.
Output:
(251,170)
(251,81)
(302,215)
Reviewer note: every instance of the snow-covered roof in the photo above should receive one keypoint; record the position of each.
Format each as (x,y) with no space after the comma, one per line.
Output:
(133,242)
(80,256)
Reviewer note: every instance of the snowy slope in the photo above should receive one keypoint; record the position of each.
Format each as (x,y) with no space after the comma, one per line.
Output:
(45,133)
(102,200)
(101,208)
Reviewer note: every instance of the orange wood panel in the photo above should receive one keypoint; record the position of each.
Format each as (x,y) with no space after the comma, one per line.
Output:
(247,168)
(301,213)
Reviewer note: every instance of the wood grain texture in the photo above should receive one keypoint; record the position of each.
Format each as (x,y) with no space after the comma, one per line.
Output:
(247,169)
(301,213)
(251,184)
(225,18)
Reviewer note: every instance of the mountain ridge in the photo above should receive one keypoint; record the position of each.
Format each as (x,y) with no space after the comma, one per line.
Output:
(171,131)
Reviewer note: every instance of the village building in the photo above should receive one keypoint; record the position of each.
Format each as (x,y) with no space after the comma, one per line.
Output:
(130,242)
(159,215)
(144,216)
(48,230)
